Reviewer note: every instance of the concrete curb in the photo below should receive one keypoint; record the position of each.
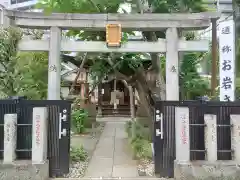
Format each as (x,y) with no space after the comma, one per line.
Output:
(114,178)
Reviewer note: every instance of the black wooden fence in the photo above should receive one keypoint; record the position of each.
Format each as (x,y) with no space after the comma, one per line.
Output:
(58,149)
(165,152)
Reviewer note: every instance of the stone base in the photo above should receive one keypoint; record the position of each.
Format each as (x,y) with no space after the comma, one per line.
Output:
(99,112)
(203,170)
(24,170)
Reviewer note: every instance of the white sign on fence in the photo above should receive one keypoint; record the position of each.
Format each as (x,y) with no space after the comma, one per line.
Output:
(182,133)
(227,60)
(39,135)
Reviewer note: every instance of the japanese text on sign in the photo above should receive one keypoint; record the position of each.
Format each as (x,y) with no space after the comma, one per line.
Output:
(184,137)
(8,133)
(227,60)
(38,138)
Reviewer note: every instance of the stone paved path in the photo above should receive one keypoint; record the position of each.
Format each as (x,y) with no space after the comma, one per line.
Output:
(112,157)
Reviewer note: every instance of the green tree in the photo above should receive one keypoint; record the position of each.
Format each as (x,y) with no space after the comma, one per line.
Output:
(21,73)
(33,74)
(8,60)
(192,85)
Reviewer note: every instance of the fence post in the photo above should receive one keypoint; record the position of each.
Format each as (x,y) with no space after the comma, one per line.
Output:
(211,137)
(235,136)
(10,138)
(39,135)
(182,134)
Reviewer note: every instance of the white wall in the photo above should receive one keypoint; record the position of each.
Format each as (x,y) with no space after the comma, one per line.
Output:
(4,2)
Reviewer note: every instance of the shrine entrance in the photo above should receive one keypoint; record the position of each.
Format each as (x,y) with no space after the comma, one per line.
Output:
(122,95)
(114,24)
(115,99)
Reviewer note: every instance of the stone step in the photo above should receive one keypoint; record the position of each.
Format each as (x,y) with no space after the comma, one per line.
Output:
(113,111)
(116,115)
(119,113)
(119,109)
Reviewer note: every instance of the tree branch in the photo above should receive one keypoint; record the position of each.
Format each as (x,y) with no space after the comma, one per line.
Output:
(78,74)
(119,75)
(4,66)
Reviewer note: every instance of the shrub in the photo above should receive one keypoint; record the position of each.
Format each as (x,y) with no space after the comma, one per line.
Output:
(141,142)
(79,118)
(128,127)
(141,148)
(78,154)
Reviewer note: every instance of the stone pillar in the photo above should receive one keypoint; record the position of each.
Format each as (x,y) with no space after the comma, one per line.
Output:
(172,69)
(54,64)
(182,134)
(235,135)
(39,135)
(5,20)
(10,138)
(211,137)
(1,15)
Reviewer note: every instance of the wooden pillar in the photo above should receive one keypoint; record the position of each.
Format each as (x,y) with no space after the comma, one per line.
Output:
(99,113)
(172,69)
(115,94)
(82,91)
(132,102)
(214,57)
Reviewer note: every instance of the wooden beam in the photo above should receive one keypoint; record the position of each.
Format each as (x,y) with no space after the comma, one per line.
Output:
(100,46)
(96,22)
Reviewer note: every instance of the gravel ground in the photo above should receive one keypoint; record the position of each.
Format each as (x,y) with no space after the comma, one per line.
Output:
(77,169)
(146,167)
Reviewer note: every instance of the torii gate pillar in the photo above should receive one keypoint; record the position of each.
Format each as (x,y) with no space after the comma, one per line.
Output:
(172,68)
(54,64)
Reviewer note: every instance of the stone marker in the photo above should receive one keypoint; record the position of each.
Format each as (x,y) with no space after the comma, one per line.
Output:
(39,135)
(182,134)
(211,137)
(235,134)
(10,138)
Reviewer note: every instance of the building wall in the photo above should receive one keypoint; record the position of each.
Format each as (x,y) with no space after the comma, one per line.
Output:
(18,4)
(4,2)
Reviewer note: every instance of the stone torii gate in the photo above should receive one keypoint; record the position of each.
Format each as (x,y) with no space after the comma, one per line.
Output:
(95,22)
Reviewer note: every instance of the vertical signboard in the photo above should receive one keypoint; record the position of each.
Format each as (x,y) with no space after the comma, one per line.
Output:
(227,60)
(113,35)
(39,135)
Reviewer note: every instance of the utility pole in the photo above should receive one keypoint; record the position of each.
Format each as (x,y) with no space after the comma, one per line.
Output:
(236,26)
(214,58)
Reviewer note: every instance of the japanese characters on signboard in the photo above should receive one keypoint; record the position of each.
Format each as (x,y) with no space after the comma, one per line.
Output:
(227,61)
